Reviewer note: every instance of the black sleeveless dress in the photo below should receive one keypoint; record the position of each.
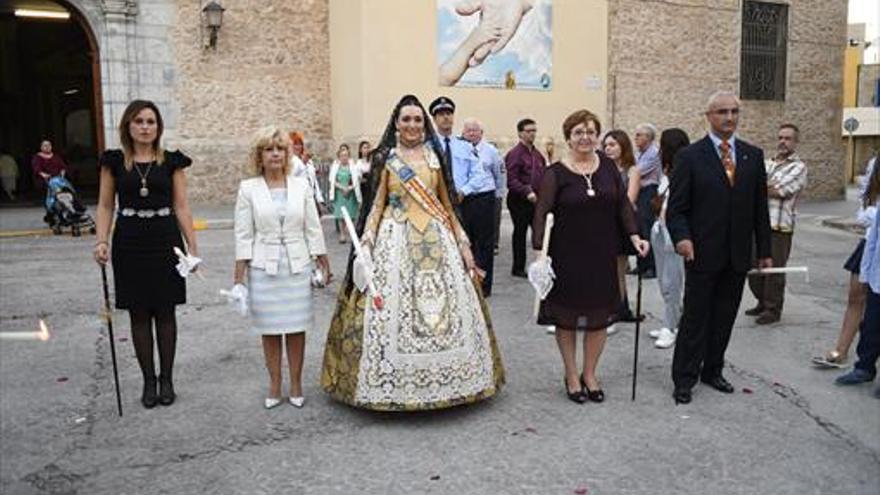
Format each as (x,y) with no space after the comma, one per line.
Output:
(142,252)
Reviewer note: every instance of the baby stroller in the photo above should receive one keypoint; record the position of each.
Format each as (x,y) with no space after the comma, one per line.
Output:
(64,209)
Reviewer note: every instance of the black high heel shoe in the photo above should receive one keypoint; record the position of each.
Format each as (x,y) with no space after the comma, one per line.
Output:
(166,391)
(594,395)
(149,397)
(578,396)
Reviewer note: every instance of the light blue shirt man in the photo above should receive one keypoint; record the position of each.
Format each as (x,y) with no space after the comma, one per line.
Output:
(870,268)
(472,174)
(489,153)
(649,165)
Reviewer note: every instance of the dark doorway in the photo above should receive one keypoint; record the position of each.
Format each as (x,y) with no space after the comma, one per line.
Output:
(48,90)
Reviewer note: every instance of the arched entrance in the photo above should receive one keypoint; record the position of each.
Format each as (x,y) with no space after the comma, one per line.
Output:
(50,89)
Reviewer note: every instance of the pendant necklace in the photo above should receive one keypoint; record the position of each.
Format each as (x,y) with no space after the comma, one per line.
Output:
(589,178)
(144,191)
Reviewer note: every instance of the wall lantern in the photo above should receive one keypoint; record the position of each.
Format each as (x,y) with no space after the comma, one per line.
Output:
(213,19)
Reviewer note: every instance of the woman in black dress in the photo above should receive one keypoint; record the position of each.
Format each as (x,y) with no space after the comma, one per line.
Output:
(591,212)
(152,213)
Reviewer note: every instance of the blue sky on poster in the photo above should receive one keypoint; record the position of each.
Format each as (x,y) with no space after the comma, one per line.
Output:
(529,52)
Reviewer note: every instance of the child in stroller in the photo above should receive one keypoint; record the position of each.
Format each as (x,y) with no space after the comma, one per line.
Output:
(64,209)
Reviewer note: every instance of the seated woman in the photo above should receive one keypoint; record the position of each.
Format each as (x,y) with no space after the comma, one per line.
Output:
(424,340)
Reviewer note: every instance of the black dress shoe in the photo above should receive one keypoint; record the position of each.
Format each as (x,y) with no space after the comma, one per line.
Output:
(166,391)
(754,311)
(766,319)
(719,384)
(149,397)
(578,396)
(594,395)
(630,317)
(682,395)
(519,274)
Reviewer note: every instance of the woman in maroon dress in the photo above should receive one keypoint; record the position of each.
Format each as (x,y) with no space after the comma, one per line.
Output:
(47,164)
(591,212)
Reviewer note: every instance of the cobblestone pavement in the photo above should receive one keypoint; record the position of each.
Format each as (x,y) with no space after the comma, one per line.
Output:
(787,430)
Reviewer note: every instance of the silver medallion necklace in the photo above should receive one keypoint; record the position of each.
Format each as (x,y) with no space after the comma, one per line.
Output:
(588,178)
(144,191)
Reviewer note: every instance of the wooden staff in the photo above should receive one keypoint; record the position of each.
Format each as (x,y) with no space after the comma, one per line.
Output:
(108,315)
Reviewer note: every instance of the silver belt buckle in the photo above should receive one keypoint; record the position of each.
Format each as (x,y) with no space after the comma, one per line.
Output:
(145,213)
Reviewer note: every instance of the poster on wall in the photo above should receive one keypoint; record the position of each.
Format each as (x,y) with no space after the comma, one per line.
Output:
(495,43)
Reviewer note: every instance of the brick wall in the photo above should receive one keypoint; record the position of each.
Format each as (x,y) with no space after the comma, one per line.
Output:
(270,66)
(666,58)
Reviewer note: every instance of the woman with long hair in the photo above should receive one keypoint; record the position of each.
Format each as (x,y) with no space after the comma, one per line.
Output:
(419,335)
(619,148)
(670,266)
(148,184)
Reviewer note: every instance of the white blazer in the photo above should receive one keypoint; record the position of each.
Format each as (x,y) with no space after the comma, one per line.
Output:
(258,232)
(355,179)
(300,169)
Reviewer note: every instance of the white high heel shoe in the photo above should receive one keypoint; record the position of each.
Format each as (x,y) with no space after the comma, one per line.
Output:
(297,401)
(271,402)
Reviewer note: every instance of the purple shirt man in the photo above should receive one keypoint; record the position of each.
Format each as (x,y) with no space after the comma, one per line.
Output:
(525,169)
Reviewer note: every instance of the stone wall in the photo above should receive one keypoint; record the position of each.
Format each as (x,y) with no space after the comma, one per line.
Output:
(270,66)
(666,58)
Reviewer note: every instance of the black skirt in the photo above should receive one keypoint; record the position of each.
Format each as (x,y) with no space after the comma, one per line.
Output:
(854,263)
(144,272)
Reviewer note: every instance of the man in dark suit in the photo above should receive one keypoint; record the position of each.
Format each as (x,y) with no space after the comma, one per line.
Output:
(717,212)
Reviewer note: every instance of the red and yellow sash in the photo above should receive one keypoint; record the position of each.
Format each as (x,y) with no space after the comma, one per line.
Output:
(418,191)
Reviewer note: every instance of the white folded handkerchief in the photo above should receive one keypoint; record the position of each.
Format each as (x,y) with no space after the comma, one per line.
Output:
(541,276)
(362,270)
(238,297)
(185,263)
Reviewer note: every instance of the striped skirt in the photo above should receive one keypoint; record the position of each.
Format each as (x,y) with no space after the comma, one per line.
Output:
(281,303)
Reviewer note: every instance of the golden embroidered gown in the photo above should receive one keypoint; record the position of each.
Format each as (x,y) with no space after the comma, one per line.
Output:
(431,346)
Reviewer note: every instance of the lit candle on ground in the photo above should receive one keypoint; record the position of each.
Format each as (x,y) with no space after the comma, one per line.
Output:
(42,334)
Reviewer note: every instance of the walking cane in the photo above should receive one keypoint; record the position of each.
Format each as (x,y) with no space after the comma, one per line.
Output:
(109,316)
(638,326)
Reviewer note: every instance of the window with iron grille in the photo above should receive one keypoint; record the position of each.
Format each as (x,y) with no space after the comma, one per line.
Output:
(764,51)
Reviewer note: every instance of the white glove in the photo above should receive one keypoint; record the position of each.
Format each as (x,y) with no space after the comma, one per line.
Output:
(185,263)
(541,276)
(362,270)
(238,297)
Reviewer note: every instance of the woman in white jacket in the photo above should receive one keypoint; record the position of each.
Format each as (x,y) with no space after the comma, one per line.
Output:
(277,235)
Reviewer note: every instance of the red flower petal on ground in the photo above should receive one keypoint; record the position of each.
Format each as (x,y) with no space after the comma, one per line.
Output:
(747,390)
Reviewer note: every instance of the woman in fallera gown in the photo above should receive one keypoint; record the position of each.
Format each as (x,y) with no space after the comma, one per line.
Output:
(425,339)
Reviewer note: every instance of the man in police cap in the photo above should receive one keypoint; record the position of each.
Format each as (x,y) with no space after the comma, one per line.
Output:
(474,202)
